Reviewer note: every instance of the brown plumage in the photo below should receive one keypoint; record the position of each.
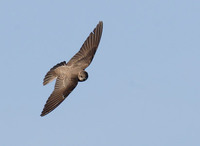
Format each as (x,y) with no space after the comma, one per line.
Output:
(68,75)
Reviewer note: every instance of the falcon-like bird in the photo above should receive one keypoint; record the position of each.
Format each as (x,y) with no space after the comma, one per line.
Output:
(68,75)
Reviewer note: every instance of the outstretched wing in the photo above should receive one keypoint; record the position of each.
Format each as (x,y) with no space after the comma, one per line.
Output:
(63,88)
(85,55)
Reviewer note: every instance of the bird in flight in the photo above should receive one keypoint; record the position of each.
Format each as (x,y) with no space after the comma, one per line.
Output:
(68,75)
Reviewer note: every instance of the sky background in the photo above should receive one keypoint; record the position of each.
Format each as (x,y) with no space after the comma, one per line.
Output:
(144,82)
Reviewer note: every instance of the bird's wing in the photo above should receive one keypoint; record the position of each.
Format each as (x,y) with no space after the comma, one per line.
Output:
(85,55)
(63,88)
(51,74)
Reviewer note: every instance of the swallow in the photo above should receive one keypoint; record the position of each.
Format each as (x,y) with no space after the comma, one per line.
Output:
(68,75)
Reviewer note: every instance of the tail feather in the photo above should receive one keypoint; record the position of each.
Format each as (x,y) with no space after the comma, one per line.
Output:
(50,76)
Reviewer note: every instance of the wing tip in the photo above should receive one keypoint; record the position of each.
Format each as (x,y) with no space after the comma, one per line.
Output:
(100,24)
(43,114)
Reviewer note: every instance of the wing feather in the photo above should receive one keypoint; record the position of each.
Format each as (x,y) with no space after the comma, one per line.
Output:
(85,55)
(59,94)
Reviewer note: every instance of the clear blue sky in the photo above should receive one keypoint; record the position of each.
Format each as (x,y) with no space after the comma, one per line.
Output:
(144,82)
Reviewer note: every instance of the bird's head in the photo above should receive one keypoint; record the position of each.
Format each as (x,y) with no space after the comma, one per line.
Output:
(82,76)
